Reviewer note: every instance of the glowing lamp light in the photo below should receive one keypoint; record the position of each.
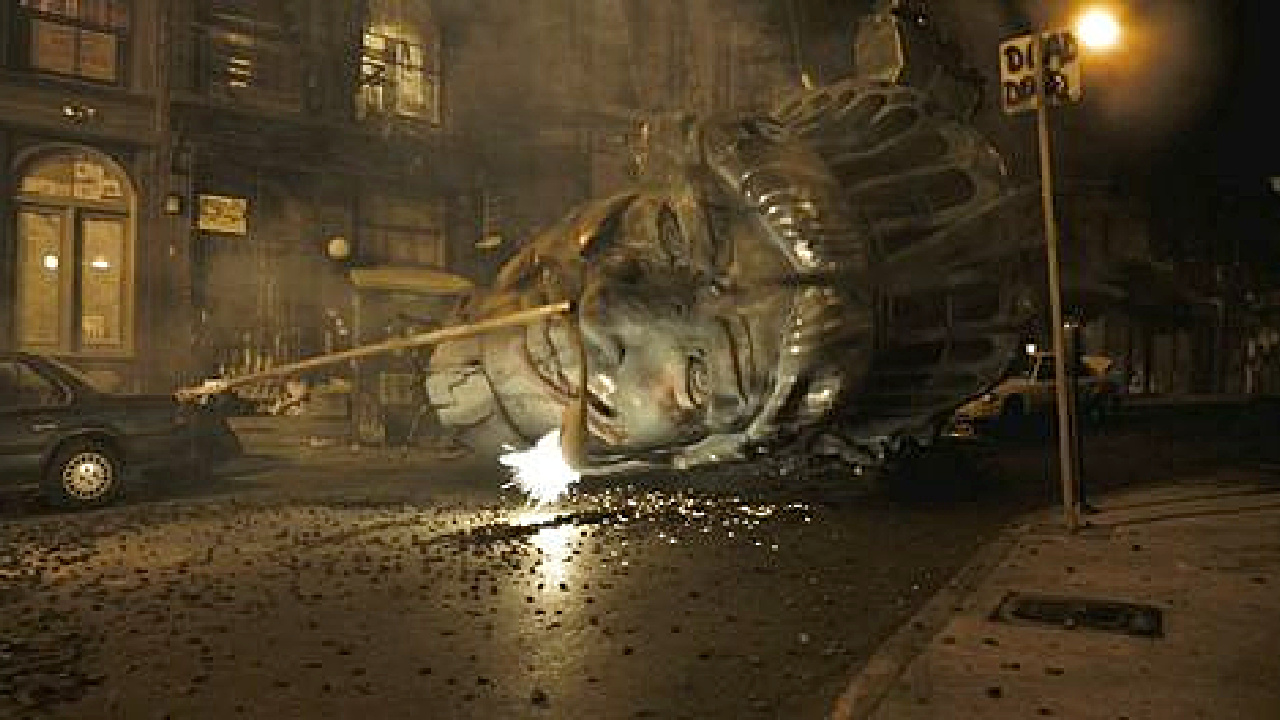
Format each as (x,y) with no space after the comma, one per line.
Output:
(338,248)
(100,264)
(1098,29)
(50,261)
(541,471)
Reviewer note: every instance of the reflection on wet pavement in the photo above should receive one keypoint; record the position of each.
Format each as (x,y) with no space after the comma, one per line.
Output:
(617,603)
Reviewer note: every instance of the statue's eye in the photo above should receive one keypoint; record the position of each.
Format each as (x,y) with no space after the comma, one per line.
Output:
(697,383)
(669,235)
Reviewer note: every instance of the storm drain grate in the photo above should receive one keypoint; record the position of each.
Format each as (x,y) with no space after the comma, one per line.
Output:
(1080,612)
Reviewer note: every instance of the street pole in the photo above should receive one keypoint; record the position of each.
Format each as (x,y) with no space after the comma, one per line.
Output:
(462,331)
(1066,447)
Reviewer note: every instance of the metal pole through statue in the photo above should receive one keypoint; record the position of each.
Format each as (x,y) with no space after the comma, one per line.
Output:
(1066,447)
(435,337)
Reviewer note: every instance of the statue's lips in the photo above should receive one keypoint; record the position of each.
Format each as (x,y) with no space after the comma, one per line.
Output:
(600,414)
(689,417)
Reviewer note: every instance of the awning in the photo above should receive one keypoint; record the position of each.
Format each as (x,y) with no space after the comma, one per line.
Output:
(409,278)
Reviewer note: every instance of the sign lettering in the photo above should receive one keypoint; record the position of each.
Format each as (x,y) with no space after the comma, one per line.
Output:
(222,214)
(1019,71)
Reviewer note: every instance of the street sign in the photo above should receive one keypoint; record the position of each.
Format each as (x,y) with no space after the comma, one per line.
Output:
(1060,52)
(221,214)
(1037,71)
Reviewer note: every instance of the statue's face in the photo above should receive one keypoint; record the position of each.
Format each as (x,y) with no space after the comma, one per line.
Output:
(843,256)
(673,354)
(661,350)
(666,356)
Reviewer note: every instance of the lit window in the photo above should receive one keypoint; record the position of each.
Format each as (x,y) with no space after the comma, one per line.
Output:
(80,38)
(74,256)
(399,64)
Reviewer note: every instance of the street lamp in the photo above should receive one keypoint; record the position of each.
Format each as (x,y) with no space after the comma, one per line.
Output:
(1098,29)
(1038,69)
(338,248)
(1066,420)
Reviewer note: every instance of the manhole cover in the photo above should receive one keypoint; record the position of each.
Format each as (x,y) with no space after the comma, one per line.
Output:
(1081,612)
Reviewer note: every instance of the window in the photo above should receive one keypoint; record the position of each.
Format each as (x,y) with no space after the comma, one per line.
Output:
(399,64)
(75,255)
(1046,370)
(402,231)
(275,14)
(250,53)
(22,387)
(80,38)
(246,68)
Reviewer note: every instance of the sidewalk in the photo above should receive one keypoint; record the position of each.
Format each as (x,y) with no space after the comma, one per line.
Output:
(1205,554)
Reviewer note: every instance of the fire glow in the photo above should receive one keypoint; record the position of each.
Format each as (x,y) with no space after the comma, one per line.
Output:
(541,471)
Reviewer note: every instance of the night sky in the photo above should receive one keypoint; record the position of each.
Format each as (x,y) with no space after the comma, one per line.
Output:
(1183,118)
(1209,183)
(1237,134)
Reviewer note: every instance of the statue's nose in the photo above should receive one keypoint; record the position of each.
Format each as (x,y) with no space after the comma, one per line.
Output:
(724,410)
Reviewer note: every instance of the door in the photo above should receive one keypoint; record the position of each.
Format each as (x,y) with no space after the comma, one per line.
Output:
(33,412)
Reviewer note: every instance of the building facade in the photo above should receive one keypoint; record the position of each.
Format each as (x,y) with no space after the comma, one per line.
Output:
(556,97)
(305,138)
(84,250)
(187,183)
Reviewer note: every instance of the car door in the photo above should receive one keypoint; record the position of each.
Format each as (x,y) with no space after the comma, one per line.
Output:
(1041,388)
(34,412)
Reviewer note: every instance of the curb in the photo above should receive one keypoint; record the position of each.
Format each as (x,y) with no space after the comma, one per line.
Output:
(872,683)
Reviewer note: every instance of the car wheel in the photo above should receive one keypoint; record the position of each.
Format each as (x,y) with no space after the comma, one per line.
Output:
(84,473)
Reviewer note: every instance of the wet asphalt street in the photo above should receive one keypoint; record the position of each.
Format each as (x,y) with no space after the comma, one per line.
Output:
(731,593)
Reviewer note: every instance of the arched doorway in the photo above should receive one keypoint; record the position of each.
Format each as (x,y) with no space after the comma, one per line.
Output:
(75,214)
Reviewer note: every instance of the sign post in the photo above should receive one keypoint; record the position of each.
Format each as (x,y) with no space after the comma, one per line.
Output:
(1036,70)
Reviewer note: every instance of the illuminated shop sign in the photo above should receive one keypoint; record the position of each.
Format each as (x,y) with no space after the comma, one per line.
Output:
(223,214)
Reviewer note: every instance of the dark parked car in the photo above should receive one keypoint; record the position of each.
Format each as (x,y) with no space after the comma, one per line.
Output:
(81,443)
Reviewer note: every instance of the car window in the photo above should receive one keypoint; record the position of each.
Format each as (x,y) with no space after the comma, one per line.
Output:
(78,375)
(1045,369)
(23,387)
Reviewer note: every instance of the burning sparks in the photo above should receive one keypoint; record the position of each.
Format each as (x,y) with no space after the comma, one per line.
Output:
(541,471)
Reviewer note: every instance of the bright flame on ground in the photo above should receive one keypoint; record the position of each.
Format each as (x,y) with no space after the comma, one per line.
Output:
(541,471)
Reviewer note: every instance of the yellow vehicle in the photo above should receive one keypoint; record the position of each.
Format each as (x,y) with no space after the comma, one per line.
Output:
(1031,395)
